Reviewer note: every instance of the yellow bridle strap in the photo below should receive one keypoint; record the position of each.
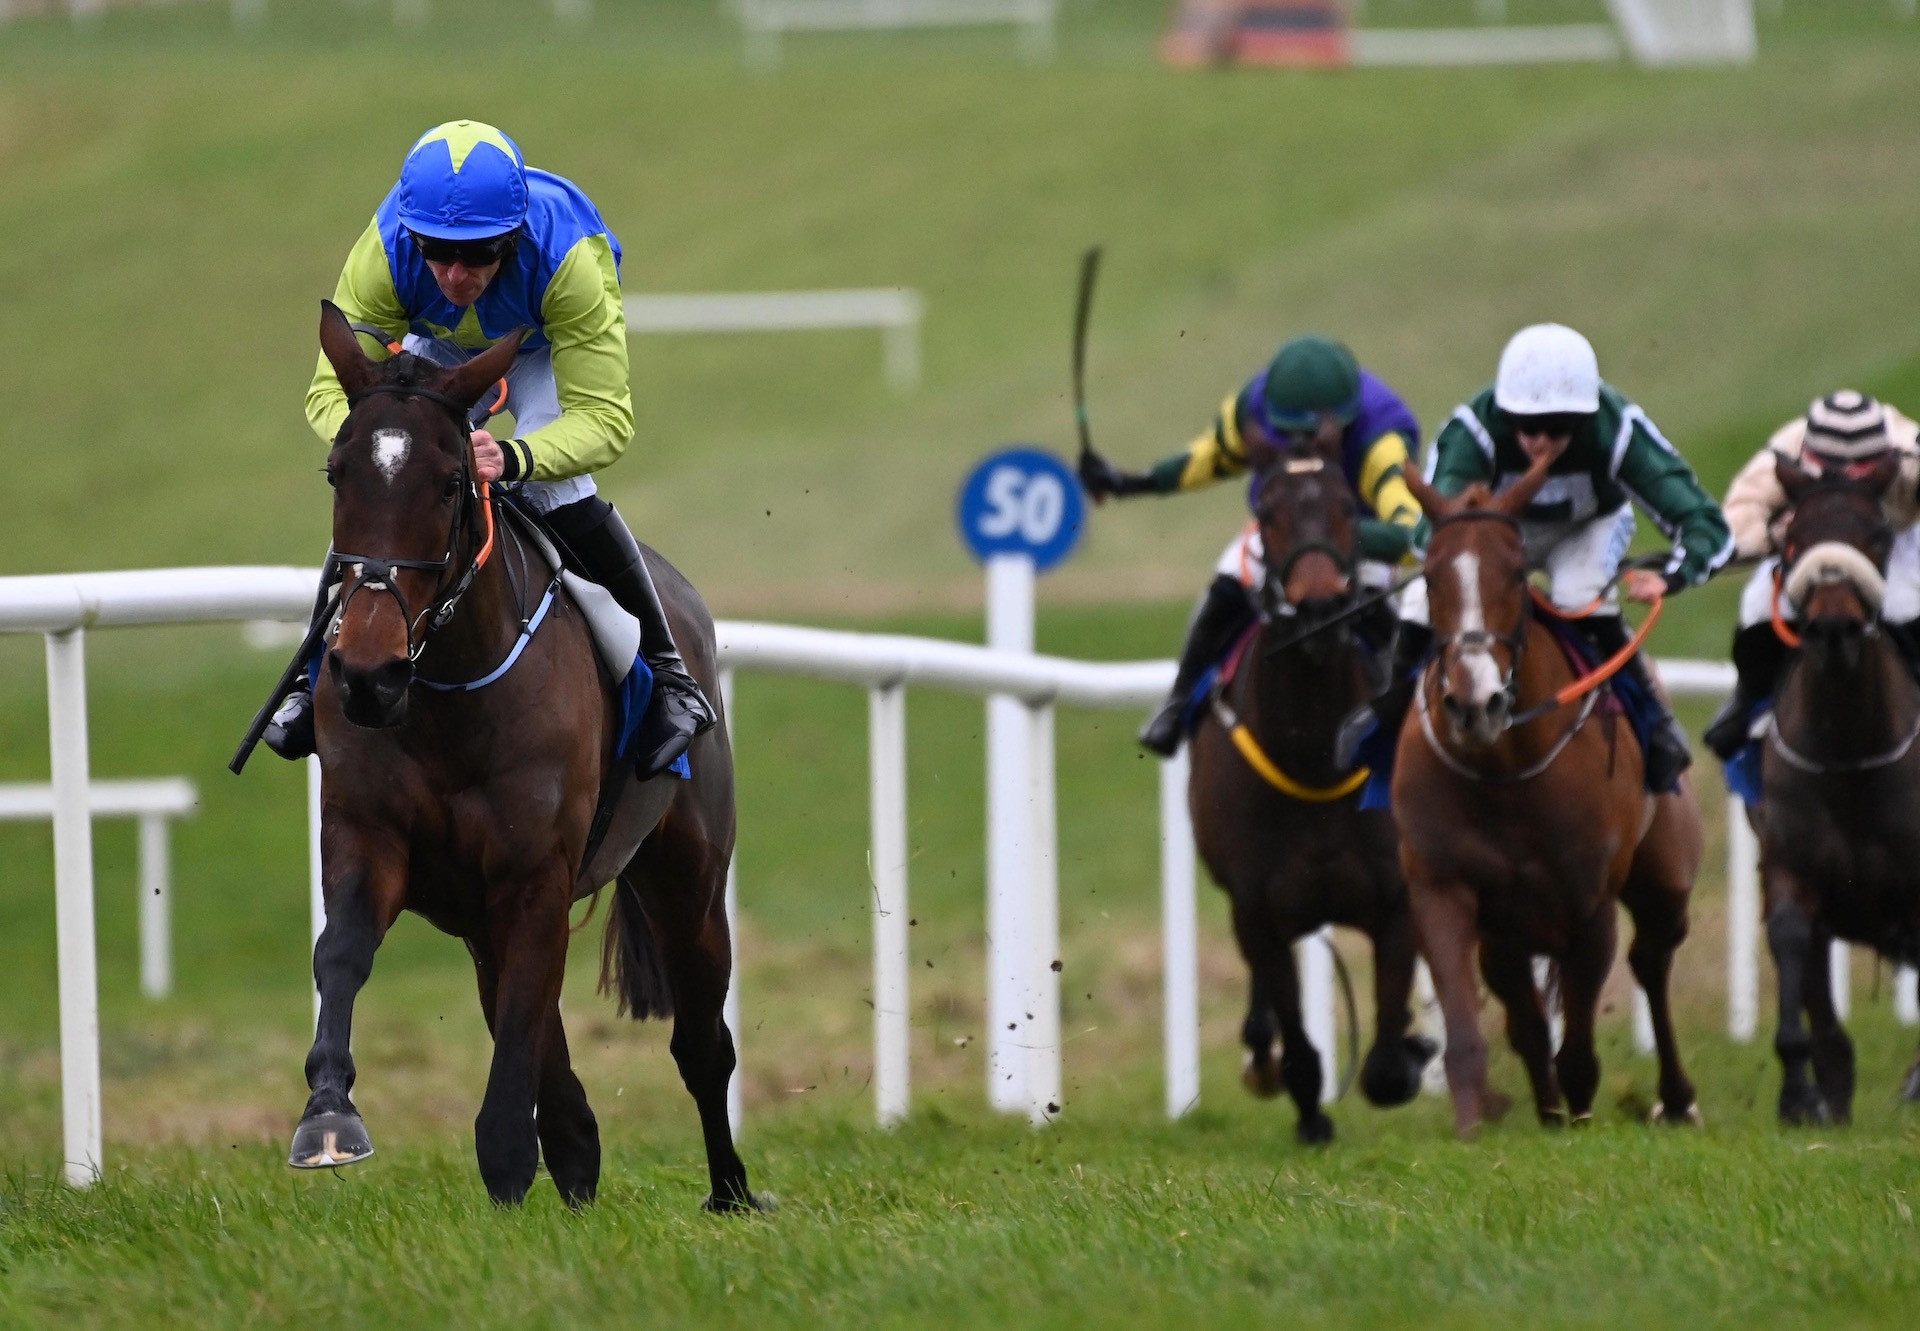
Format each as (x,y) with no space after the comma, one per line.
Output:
(1257,759)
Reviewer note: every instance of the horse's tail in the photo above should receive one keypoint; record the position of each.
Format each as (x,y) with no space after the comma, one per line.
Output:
(630,964)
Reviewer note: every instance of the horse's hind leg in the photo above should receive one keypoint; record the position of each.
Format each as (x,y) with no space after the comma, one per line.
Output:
(527,929)
(363,892)
(1391,1074)
(1508,968)
(1659,927)
(1831,1048)
(681,880)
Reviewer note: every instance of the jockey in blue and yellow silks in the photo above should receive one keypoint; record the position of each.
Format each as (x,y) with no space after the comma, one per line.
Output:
(1313,391)
(470,245)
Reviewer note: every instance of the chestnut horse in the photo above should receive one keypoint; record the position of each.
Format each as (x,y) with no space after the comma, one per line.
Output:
(1278,827)
(1523,822)
(1839,821)
(466,736)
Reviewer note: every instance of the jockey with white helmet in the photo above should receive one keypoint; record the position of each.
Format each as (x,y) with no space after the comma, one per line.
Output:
(1845,431)
(1548,400)
(470,245)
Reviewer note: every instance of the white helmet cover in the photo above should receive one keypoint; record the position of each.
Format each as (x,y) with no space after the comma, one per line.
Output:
(1547,369)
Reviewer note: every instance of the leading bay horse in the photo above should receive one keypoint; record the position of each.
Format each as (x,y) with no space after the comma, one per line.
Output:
(1277,826)
(466,735)
(1523,822)
(1839,821)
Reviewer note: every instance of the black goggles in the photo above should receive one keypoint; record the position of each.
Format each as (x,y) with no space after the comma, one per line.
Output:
(1553,425)
(471,253)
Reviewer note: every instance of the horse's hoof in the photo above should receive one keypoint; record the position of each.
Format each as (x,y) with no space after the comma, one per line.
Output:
(1315,1131)
(1262,1080)
(1494,1105)
(1690,1117)
(1553,1118)
(1391,1075)
(328,1141)
(1582,1120)
(1806,1110)
(1910,1088)
(763,1203)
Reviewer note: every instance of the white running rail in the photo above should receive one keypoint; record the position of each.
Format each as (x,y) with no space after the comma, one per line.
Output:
(896,311)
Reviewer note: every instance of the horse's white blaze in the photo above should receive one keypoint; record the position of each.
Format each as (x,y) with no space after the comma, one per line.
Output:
(390,449)
(1483,674)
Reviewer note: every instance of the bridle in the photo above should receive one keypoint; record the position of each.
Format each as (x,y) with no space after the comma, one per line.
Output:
(1273,603)
(377,573)
(1485,640)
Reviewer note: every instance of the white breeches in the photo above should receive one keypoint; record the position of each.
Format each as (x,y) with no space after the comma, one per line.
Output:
(1579,559)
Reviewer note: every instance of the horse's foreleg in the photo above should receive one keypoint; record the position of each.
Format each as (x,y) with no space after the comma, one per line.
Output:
(1831,1048)
(363,896)
(681,879)
(527,934)
(1391,1074)
(569,1133)
(1582,974)
(1265,944)
(1261,1075)
(1659,927)
(1508,968)
(1444,917)
(1790,938)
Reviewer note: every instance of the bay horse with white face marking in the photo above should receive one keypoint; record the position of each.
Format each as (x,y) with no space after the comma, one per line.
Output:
(1840,817)
(1278,827)
(466,739)
(1523,822)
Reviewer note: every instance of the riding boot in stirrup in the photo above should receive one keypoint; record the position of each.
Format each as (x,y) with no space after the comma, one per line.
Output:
(597,536)
(290,732)
(1668,754)
(1758,656)
(1386,712)
(1221,616)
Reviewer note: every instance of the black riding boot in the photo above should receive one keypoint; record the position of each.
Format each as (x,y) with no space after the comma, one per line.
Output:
(1758,657)
(597,538)
(290,732)
(1388,710)
(1668,754)
(1222,615)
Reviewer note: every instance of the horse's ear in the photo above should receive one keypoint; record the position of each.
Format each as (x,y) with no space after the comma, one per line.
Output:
(1431,501)
(470,382)
(1795,479)
(341,345)
(1518,495)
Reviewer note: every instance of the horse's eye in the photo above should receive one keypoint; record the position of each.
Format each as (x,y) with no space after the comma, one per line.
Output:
(451,488)
(331,478)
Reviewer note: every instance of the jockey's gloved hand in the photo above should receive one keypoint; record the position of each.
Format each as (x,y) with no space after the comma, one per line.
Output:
(1102,480)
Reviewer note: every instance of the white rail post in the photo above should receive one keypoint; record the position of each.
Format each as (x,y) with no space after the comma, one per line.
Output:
(1550,1000)
(1045,1086)
(1010,873)
(1642,1022)
(316,887)
(249,13)
(1906,997)
(900,347)
(73,907)
(887,758)
(1743,924)
(1313,962)
(156,933)
(731,1008)
(1179,940)
(1840,975)
(1428,1020)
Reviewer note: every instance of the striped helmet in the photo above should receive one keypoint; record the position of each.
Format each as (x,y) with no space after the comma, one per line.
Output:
(463,181)
(1845,429)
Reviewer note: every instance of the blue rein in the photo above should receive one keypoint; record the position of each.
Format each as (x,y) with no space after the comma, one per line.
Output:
(519,646)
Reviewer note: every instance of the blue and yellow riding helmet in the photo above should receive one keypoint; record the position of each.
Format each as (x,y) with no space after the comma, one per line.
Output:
(463,181)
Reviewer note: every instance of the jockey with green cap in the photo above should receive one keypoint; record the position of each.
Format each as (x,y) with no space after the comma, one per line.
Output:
(470,245)
(1313,394)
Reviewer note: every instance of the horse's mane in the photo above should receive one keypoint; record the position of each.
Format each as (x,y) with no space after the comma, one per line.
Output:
(407,370)
(1477,495)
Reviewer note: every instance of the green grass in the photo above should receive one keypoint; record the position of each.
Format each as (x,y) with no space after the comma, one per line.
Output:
(177,199)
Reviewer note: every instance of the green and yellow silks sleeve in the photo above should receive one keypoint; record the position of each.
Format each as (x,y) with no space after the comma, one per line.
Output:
(1214,456)
(365,295)
(588,329)
(1388,535)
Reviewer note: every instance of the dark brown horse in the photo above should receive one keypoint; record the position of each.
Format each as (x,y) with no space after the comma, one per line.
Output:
(1523,823)
(473,807)
(1840,818)
(1278,827)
